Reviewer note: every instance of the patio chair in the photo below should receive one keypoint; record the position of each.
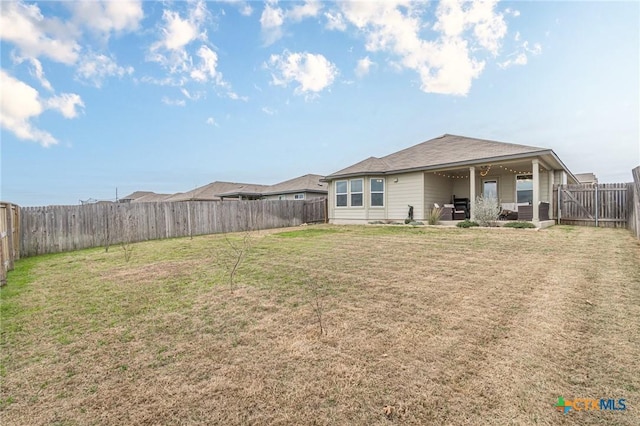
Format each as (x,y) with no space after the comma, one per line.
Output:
(447,211)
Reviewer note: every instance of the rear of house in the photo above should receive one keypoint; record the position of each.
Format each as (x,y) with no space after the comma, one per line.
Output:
(447,171)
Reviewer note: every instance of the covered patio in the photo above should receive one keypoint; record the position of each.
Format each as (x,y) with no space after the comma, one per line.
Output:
(518,186)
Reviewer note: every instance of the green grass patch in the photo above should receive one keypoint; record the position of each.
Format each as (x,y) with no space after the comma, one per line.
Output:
(308,232)
(519,225)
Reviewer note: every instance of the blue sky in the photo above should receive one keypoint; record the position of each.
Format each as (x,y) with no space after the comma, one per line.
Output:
(167,96)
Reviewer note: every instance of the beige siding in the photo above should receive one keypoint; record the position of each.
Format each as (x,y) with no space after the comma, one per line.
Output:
(437,189)
(407,191)
(342,215)
(461,188)
(544,187)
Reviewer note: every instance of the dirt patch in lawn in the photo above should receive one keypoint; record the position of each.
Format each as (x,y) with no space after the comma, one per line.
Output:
(421,326)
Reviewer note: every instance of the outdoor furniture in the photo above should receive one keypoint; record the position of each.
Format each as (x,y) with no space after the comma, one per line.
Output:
(461,208)
(447,212)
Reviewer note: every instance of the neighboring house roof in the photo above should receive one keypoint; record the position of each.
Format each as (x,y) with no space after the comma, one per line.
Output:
(216,190)
(444,151)
(135,195)
(210,192)
(586,178)
(306,183)
(152,198)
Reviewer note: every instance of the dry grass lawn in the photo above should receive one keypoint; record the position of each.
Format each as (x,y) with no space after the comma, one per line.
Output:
(423,326)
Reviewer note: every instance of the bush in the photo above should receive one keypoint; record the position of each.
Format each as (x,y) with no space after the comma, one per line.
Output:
(519,225)
(466,224)
(434,216)
(486,211)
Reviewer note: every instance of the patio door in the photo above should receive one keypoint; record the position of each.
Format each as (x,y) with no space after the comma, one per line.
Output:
(490,188)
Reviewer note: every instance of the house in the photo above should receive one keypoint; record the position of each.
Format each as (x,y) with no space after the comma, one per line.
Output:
(144,197)
(451,170)
(304,187)
(210,191)
(589,178)
(301,188)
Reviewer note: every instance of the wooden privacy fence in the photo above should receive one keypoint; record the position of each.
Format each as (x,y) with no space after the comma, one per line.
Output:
(633,197)
(9,238)
(55,229)
(603,205)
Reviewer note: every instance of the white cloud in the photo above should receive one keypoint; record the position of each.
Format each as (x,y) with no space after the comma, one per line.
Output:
(174,51)
(173,102)
(363,67)
(445,64)
(193,96)
(105,17)
(39,74)
(268,111)
(67,104)
(520,57)
(312,72)
(244,7)
(35,70)
(206,70)
(20,103)
(271,22)
(94,68)
(212,122)
(335,21)
(273,17)
(309,9)
(35,36)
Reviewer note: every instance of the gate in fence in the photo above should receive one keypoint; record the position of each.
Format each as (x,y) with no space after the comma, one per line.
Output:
(602,205)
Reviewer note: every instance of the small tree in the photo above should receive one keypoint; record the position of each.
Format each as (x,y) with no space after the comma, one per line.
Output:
(127,245)
(486,211)
(238,252)
(317,302)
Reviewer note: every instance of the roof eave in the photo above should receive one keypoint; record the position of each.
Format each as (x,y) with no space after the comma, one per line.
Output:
(447,165)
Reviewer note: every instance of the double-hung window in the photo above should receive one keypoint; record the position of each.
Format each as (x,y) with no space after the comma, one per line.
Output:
(377,192)
(356,192)
(341,193)
(298,197)
(350,193)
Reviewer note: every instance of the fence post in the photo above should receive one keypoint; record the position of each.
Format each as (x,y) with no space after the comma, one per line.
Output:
(559,201)
(597,204)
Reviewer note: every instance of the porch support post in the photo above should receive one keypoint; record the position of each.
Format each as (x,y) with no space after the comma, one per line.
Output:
(551,199)
(536,189)
(472,192)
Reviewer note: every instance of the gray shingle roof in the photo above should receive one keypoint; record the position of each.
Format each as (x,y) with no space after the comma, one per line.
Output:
(211,192)
(442,151)
(306,183)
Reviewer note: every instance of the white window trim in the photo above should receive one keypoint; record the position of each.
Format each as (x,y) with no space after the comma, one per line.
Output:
(335,201)
(492,179)
(361,193)
(349,193)
(299,196)
(371,192)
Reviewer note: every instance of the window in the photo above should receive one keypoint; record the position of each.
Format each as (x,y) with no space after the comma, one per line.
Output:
(341,193)
(524,189)
(377,192)
(350,193)
(490,189)
(356,192)
(298,197)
